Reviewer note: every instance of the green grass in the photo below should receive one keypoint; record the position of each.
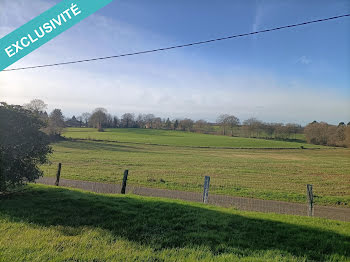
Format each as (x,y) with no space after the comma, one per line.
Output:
(260,173)
(177,138)
(56,224)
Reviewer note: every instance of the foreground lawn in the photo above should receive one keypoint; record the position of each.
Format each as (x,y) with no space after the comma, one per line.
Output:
(177,138)
(265,174)
(56,224)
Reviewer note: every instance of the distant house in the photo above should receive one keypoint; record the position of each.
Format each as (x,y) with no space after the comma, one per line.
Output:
(73,122)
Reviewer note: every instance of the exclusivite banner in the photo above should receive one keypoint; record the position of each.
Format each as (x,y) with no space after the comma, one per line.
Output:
(45,27)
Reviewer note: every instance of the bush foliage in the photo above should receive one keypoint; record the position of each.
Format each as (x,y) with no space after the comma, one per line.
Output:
(23,146)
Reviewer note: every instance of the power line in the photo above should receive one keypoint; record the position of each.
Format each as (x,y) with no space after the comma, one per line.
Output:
(181,46)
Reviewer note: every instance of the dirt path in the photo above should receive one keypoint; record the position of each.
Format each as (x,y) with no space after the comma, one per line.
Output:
(241,203)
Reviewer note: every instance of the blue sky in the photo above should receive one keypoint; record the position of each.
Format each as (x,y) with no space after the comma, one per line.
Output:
(295,75)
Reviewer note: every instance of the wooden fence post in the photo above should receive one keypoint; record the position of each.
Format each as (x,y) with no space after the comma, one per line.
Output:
(58,174)
(206,189)
(126,172)
(310,198)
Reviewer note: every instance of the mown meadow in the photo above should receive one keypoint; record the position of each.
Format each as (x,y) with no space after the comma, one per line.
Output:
(258,173)
(43,223)
(177,138)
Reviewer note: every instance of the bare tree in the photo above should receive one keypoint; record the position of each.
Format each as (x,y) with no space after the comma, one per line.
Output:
(269,129)
(140,121)
(149,120)
(36,105)
(347,136)
(280,131)
(252,126)
(222,122)
(317,133)
(157,123)
(98,118)
(128,120)
(232,122)
(80,119)
(56,123)
(186,124)
(86,116)
(293,129)
(109,121)
(116,122)
(337,135)
(227,123)
(200,125)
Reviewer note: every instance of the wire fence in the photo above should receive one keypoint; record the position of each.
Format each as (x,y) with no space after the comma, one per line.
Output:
(241,203)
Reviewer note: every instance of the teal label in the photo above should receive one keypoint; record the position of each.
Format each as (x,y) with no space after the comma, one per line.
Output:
(45,27)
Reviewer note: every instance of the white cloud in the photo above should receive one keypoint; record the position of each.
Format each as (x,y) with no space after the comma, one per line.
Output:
(304,60)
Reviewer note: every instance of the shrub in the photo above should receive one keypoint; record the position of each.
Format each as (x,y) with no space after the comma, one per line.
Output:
(23,146)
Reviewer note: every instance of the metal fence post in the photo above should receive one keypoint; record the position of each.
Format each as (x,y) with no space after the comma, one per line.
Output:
(310,198)
(206,189)
(58,174)
(126,172)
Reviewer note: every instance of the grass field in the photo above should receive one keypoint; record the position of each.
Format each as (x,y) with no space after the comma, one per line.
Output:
(177,138)
(260,173)
(56,224)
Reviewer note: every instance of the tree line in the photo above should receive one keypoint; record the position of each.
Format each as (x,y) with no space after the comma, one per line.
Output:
(328,135)
(228,125)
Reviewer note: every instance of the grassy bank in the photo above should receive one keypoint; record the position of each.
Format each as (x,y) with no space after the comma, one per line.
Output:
(56,224)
